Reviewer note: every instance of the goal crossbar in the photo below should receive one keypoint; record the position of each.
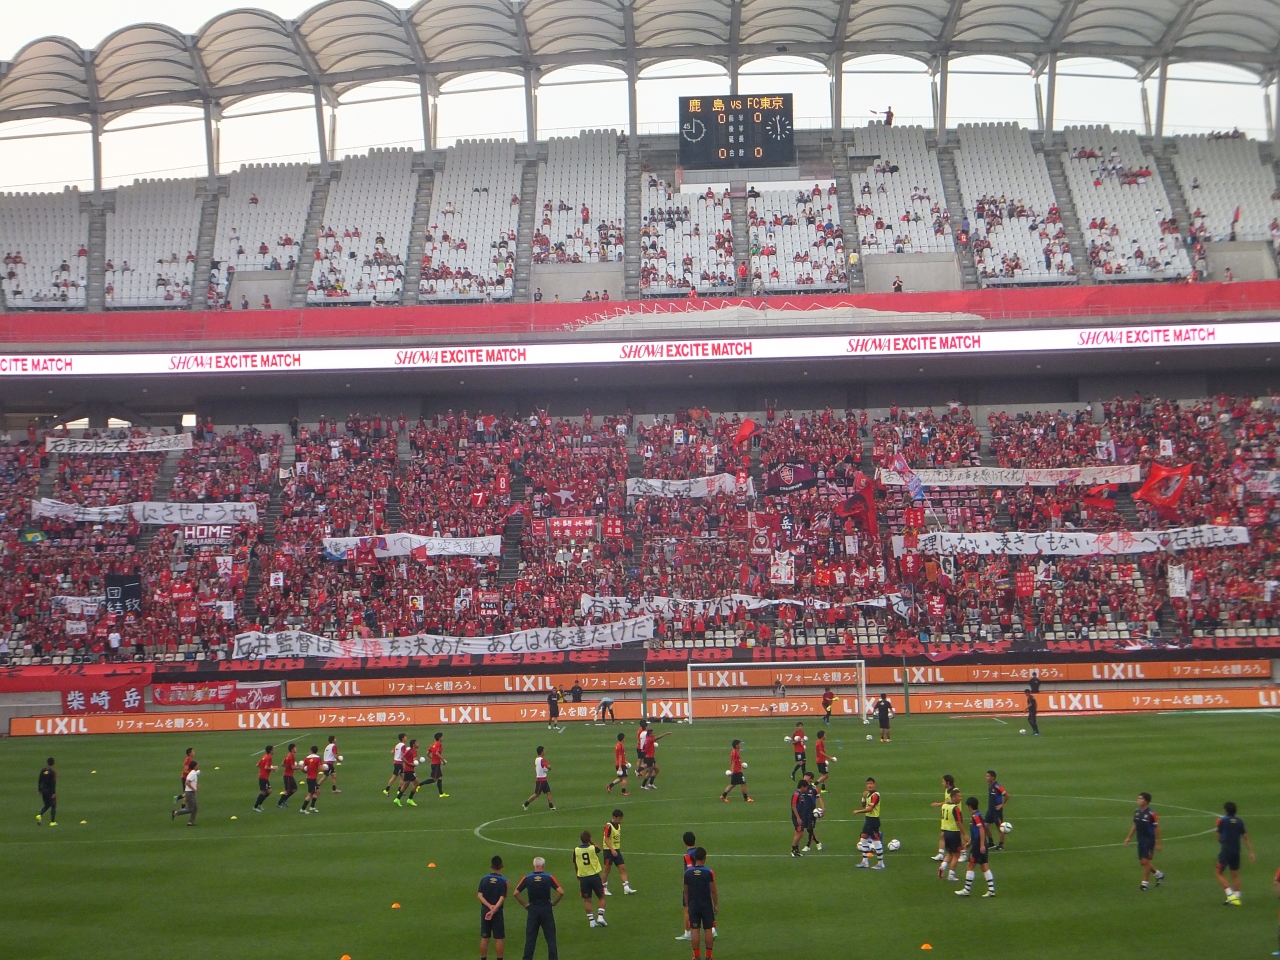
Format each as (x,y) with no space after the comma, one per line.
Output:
(755,684)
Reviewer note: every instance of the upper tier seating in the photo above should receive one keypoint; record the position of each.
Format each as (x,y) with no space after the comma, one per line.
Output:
(902,210)
(686,239)
(261,220)
(44,238)
(1124,212)
(796,239)
(470,247)
(581,200)
(365,234)
(1217,176)
(1015,228)
(151,243)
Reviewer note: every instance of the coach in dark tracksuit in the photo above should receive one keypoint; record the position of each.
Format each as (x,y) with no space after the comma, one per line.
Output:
(539,893)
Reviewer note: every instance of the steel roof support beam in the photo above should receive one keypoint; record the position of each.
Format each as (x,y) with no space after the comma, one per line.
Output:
(836,67)
(1162,87)
(1050,99)
(530,106)
(1275,116)
(943,72)
(420,60)
(633,77)
(95,120)
(735,36)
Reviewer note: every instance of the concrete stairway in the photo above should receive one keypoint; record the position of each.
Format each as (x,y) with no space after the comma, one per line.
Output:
(524,236)
(96,279)
(1173,189)
(1070,220)
(310,234)
(417,241)
(955,206)
(741,241)
(631,254)
(204,243)
(848,222)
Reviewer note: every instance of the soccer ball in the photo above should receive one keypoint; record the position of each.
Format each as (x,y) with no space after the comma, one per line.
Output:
(340,758)
(869,736)
(1006,827)
(834,759)
(744,766)
(787,738)
(728,773)
(806,739)
(895,845)
(820,812)
(628,765)
(1023,730)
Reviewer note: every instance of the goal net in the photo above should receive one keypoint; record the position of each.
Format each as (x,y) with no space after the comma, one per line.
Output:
(776,689)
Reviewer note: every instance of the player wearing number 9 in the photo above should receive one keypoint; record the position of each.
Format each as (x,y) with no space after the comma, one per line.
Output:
(586,861)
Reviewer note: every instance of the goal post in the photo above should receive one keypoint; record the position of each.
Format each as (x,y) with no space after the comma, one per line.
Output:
(750,690)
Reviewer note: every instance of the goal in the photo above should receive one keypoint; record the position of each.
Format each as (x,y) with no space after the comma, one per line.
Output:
(729,690)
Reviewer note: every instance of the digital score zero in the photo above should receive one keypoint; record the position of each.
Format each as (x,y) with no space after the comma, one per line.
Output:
(737,131)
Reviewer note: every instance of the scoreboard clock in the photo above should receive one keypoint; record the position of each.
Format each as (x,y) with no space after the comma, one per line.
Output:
(737,131)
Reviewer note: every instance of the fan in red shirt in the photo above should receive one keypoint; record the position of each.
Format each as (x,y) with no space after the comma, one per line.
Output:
(820,752)
(265,766)
(287,767)
(736,777)
(436,754)
(409,777)
(619,766)
(312,766)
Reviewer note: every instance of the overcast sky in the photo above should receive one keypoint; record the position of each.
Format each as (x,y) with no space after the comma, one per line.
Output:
(177,150)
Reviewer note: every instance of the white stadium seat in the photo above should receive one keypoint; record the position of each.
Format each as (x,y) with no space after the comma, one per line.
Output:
(39,233)
(151,244)
(908,202)
(582,171)
(283,196)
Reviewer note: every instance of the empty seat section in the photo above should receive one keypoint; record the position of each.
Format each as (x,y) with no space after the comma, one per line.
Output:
(151,244)
(1016,229)
(900,205)
(1124,212)
(1220,174)
(581,200)
(365,233)
(469,251)
(796,239)
(44,237)
(686,239)
(260,222)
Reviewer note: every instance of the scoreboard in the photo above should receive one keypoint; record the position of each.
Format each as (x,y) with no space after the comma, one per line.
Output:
(737,131)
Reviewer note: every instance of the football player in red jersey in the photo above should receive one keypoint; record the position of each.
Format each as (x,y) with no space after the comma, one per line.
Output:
(187,761)
(619,766)
(798,746)
(736,777)
(265,766)
(435,754)
(409,775)
(290,782)
(820,752)
(312,765)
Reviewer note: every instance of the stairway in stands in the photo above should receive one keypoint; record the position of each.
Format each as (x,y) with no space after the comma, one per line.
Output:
(254,581)
(512,533)
(311,233)
(955,206)
(1173,189)
(848,222)
(161,492)
(1070,221)
(417,237)
(205,240)
(96,278)
(631,255)
(524,238)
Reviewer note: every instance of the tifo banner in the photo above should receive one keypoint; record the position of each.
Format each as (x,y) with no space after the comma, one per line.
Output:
(571,528)
(196,535)
(120,695)
(124,594)
(1009,477)
(661,708)
(790,477)
(157,514)
(231,693)
(1058,543)
(295,643)
(403,544)
(696,488)
(178,441)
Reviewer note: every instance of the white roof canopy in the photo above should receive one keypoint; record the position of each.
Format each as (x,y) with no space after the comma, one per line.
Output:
(341,44)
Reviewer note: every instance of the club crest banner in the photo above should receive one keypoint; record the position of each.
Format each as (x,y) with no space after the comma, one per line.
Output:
(295,643)
(68,445)
(1009,477)
(1058,543)
(403,544)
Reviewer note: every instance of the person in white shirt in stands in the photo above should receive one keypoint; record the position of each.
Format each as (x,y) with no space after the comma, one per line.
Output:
(189,806)
(113,641)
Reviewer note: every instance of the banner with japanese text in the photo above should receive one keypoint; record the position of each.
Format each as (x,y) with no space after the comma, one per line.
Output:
(696,488)
(108,445)
(404,544)
(154,514)
(1013,477)
(116,696)
(1060,543)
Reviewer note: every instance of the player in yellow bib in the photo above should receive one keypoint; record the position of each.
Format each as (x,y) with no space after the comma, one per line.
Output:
(586,861)
(870,840)
(952,827)
(613,853)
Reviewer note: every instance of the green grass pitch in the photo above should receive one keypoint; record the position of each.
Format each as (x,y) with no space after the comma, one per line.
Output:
(131,884)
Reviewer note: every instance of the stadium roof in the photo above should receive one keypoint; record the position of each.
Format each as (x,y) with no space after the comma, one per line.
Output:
(342,44)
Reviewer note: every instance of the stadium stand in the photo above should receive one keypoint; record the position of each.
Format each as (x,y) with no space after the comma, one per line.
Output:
(686,240)
(470,247)
(1221,174)
(797,242)
(581,200)
(151,244)
(1016,229)
(44,238)
(1124,211)
(365,235)
(900,204)
(260,222)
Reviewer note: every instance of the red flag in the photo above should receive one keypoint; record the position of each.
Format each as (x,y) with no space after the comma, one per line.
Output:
(1101,496)
(1164,485)
(1236,219)
(746,431)
(419,554)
